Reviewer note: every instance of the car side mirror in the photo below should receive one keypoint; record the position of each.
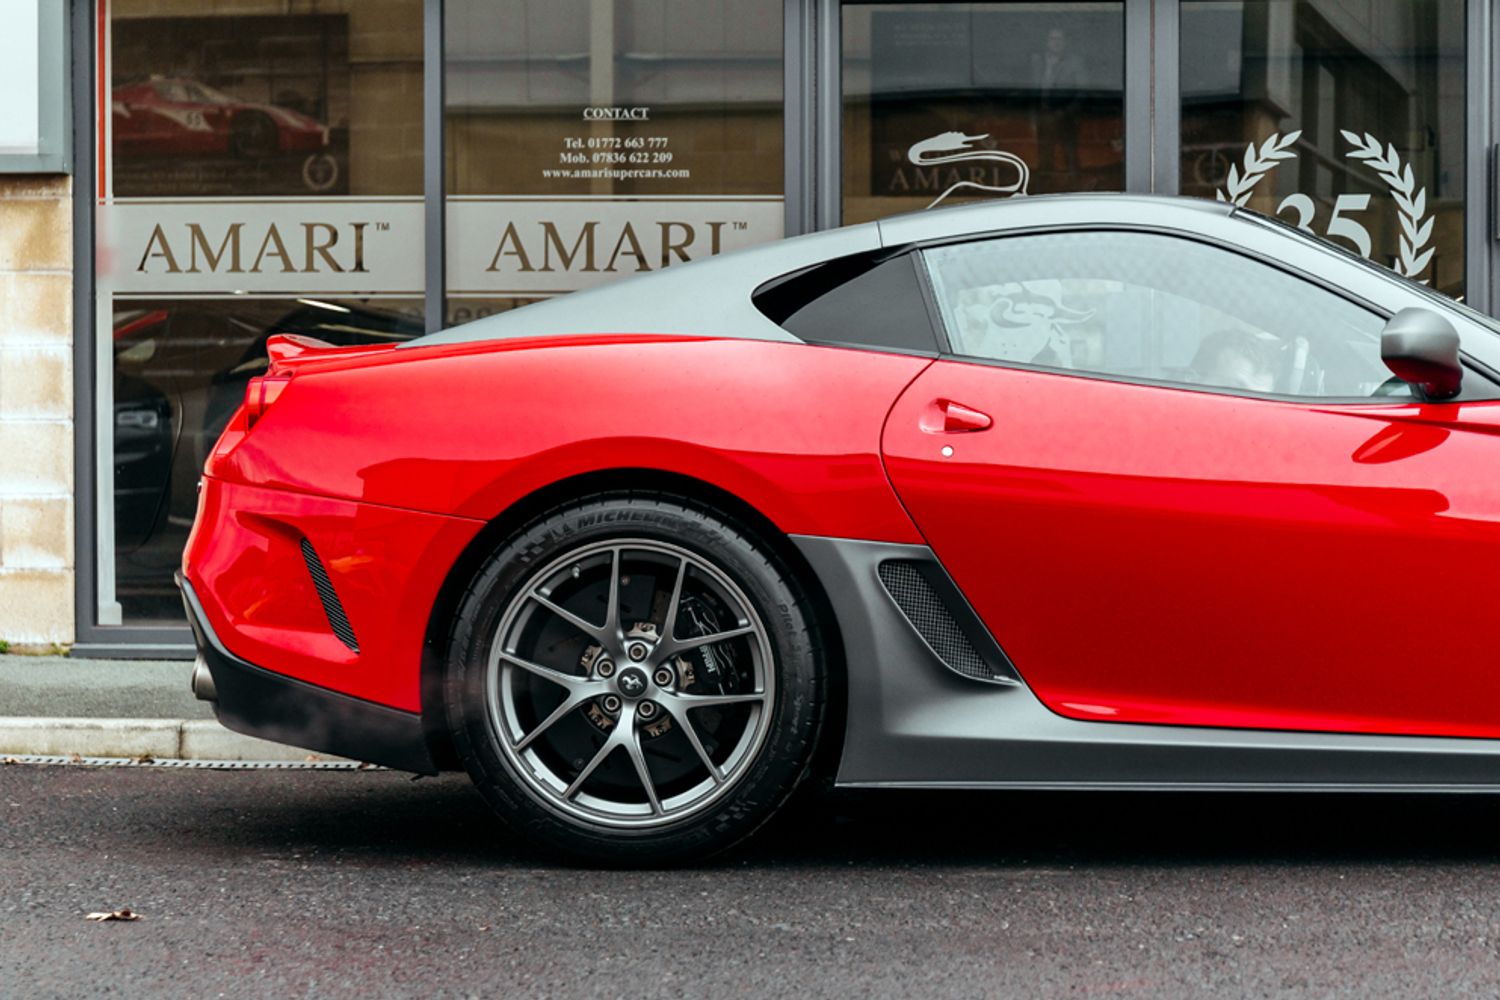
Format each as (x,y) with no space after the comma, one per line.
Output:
(1421,347)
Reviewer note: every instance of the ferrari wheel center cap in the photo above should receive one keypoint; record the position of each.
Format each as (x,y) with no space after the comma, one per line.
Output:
(632,682)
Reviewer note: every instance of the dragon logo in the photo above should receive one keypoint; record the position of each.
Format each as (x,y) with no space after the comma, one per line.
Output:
(956,147)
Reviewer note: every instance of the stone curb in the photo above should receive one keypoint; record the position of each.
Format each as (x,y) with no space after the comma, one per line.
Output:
(160,739)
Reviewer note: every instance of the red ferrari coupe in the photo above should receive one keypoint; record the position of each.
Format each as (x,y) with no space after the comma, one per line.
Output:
(1076,491)
(173,116)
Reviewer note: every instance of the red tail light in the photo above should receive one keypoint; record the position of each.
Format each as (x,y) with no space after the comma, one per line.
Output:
(261,393)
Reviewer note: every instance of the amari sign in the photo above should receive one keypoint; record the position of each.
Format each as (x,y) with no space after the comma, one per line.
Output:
(524,247)
(207,246)
(497,247)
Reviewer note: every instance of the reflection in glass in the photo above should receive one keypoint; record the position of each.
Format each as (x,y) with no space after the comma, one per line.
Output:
(262,102)
(521,77)
(947,103)
(466,309)
(213,113)
(1158,308)
(1355,115)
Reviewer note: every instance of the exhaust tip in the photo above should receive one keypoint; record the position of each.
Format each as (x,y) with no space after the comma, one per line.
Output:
(203,681)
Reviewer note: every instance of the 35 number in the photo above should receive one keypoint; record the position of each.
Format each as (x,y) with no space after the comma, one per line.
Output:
(1339,224)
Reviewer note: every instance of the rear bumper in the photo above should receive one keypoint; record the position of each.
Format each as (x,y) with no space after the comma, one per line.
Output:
(259,702)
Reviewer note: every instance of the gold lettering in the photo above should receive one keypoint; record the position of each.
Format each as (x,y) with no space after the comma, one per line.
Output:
(627,235)
(668,248)
(359,246)
(321,249)
(510,238)
(230,243)
(165,253)
(552,239)
(273,236)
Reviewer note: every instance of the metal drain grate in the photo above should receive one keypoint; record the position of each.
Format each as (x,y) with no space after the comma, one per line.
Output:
(196,765)
(332,607)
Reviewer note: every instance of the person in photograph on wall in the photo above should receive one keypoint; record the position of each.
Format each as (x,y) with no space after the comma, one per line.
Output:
(1057,78)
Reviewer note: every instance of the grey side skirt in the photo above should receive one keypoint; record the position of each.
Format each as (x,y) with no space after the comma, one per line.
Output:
(915,722)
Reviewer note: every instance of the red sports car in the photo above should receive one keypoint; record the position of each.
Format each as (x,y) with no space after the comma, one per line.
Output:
(181,117)
(1076,491)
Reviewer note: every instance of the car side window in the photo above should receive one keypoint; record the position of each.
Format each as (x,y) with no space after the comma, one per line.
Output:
(1159,308)
(867,300)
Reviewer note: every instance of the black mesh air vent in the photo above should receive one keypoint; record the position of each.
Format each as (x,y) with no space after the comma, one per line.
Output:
(927,612)
(337,619)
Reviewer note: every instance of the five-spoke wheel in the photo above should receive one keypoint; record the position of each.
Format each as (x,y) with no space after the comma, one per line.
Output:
(635,678)
(638,654)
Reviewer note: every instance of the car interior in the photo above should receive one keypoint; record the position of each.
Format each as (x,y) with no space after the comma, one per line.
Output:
(1157,308)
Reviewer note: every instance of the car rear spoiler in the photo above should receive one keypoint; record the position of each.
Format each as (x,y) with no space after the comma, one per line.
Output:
(289,351)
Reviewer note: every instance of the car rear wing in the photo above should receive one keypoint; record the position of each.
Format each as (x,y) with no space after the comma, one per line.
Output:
(289,351)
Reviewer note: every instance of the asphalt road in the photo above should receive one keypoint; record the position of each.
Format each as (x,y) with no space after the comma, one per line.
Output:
(326,884)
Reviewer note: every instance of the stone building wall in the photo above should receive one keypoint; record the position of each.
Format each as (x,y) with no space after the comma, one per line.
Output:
(36,410)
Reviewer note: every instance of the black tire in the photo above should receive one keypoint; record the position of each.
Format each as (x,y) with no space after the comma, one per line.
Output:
(789,722)
(253,136)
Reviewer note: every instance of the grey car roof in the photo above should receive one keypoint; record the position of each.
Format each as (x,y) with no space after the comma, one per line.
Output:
(704,297)
(1097,208)
(712,296)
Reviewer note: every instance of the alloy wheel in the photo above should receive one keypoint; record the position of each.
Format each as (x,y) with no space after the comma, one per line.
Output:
(630,683)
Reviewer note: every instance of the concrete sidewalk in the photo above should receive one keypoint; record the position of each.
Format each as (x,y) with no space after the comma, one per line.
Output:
(53,705)
(59,687)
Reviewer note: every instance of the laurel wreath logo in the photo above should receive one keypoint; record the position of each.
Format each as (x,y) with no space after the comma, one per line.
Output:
(1239,186)
(1411,201)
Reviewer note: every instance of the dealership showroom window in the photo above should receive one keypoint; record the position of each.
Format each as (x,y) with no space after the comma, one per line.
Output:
(199,176)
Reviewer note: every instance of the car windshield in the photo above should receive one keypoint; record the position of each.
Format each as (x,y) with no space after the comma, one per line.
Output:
(208,95)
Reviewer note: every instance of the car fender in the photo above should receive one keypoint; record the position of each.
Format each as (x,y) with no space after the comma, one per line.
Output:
(792,429)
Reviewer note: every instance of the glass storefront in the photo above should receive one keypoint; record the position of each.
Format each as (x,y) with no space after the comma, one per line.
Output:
(1346,120)
(260,169)
(265,167)
(586,141)
(952,103)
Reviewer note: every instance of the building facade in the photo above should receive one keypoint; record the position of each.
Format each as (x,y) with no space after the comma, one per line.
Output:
(368,170)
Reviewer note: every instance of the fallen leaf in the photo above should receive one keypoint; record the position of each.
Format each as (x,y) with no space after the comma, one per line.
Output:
(9,760)
(77,758)
(312,758)
(113,915)
(144,758)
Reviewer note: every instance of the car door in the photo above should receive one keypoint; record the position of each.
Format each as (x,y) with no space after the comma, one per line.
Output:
(1177,485)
